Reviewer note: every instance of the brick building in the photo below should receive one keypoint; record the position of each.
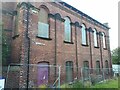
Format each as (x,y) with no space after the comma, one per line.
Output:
(55,33)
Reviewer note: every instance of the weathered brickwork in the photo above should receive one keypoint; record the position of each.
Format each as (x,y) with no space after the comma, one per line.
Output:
(54,50)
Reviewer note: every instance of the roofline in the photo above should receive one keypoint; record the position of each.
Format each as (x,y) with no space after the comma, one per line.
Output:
(81,13)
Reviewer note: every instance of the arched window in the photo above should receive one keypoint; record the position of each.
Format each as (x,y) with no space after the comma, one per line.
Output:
(69,71)
(43,26)
(67,29)
(95,38)
(104,42)
(84,39)
(97,67)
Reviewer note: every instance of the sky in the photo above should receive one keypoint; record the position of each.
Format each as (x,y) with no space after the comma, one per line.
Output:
(103,11)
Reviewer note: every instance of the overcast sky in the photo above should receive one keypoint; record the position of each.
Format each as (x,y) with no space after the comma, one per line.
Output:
(103,11)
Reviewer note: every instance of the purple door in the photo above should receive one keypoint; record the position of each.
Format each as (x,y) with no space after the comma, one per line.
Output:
(42,74)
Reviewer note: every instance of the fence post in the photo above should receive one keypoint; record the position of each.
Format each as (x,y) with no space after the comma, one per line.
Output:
(82,76)
(7,75)
(103,75)
(59,76)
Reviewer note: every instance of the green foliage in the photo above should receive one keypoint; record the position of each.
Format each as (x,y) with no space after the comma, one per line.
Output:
(116,56)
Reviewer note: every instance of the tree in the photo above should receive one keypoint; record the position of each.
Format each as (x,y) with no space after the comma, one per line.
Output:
(116,56)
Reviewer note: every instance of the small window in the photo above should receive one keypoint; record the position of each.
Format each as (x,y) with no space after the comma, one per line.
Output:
(106,67)
(67,30)
(97,67)
(43,26)
(84,35)
(85,69)
(95,38)
(16,21)
(104,41)
(86,64)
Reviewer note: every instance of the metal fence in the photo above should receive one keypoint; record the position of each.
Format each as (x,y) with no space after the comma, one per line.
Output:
(96,75)
(51,76)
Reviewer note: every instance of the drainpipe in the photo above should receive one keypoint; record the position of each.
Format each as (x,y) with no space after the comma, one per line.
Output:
(90,48)
(76,49)
(55,46)
(100,50)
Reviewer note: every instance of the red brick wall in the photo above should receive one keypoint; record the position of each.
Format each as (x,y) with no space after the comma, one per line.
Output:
(65,51)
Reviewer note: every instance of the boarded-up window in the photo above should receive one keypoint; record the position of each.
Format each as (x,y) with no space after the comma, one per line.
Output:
(69,71)
(43,30)
(106,67)
(85,69)
(97,67)
(16,21)
(67,30)
(84,37)
(43,26)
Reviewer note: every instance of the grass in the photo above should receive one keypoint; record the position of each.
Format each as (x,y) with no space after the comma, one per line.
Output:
(107,84)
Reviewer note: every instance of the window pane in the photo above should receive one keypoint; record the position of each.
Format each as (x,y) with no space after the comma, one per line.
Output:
(43,30)
(67,30)
(83,35)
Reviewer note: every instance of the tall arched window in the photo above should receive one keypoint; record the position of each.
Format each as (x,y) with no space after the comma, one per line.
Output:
(67,30)
(104,42)
(43,26)
(84,39)
(95,38)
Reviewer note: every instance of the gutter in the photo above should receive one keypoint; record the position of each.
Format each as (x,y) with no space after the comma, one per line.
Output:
(28,38)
